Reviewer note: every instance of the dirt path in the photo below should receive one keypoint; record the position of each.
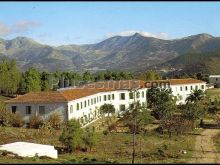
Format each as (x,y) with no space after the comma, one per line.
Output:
(205,150)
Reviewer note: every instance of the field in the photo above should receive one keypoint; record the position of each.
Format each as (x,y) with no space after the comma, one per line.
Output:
(114,147)
(213,93)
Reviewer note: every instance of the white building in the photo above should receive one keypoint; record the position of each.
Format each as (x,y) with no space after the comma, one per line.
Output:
(214,79)
(83,102)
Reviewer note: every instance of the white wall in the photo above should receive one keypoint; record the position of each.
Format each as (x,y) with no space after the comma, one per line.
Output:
(92,108)
(49,109)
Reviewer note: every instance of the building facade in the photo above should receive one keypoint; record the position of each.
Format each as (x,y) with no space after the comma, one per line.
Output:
(83,102)
(214,79)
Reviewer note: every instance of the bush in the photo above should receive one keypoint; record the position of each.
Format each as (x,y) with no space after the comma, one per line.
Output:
(55,120)
(72,135)
(17,120)
(35,122)
(5,117)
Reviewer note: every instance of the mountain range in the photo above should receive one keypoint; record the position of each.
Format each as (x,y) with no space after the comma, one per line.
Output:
(126,53)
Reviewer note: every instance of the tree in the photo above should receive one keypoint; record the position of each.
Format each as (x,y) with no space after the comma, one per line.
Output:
(157,96)
(107,109)
(149,76)
(72,135)
(45,86)
(10,77)
(195,95)
(194,111)
(32,80)
(87,77)
(90,137)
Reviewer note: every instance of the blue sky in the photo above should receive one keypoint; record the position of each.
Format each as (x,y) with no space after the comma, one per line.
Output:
(59,23)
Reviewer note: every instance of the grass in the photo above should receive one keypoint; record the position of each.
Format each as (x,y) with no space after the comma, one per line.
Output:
(213,93)
(216,140)
(115,147)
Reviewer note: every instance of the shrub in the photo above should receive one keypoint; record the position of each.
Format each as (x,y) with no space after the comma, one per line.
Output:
(35,122)
(5,117)
(90,137)
(72,135)
(55,120)
(17,120)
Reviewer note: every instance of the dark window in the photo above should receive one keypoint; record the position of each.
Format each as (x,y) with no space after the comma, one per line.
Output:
(97,99)
(28,110)
(191,87)
(88,102)
(131,95)
(77,106)
(131,106)
(142,94)
(104,97)
(196,87)
(94,100)
(122,96)
(81,105)
(113,96)
(202,86)
(84,103)
(100,98)
(216,79)
(13,109)
(109,97)
(91,101)
(186,88)
(42,109)
(181,88)
(122,107)
(137,95)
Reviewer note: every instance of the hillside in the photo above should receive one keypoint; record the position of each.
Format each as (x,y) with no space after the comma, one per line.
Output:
(134,53)
(193,62)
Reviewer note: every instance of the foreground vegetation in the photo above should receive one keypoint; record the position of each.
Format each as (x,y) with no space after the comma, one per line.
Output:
(114,147)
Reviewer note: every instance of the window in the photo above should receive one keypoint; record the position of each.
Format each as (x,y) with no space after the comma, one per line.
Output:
(216,79)
(13,109)
(186,88)
(88,102)
(131,95)
(122,96)
(104,97)
(91,101)
(137,95)
(42,109)
(77,106)
(191,87)
(97,99)
(94,100)
(84,103)
(196,87)
(81,105)
(131,106)
(122,107)
(202,86)
(181,88)
(142,94)
(28,110)
(113,96)
(109,97)
(100,98)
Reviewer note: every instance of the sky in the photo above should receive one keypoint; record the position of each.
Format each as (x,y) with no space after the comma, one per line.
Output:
(62,23)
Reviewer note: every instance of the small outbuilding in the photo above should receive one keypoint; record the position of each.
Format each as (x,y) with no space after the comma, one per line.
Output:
(25,149)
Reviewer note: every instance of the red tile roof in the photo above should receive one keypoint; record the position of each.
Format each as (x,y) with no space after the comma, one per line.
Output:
(90,89)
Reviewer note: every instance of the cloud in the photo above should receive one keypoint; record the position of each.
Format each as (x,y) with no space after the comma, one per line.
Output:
(161,35)
(21,26)
(4,29)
